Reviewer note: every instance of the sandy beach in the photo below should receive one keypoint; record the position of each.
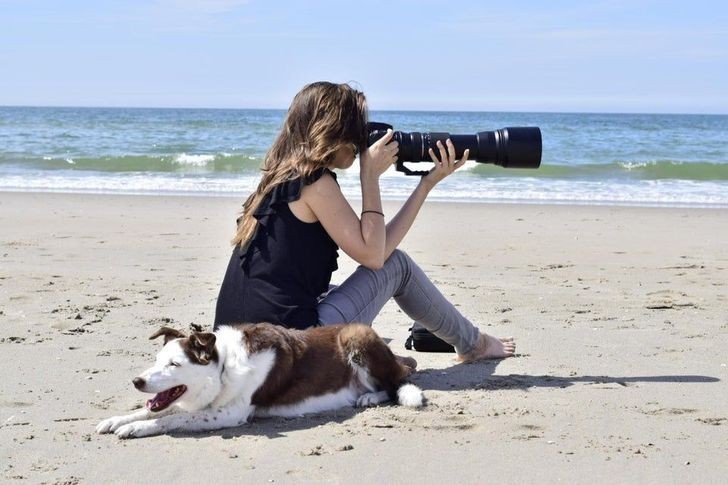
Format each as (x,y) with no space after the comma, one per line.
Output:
(620,315)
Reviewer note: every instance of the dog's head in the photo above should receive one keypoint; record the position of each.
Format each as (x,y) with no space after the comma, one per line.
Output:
(186,372)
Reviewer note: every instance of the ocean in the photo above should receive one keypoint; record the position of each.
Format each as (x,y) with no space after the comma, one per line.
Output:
(612,159)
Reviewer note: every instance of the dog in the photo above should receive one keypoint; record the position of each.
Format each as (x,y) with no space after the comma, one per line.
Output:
(207,381)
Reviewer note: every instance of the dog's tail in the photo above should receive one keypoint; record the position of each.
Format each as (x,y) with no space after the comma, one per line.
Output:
(410,395)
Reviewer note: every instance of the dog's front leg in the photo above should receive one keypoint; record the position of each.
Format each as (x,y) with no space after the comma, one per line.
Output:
(206,420)
(110,425)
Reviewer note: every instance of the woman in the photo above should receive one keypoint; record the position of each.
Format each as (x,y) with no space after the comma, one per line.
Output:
(285,248)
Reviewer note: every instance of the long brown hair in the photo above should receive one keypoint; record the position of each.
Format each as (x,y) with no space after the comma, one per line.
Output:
(323,118)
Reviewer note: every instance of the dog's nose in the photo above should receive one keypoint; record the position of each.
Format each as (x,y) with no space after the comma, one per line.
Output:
(138,382)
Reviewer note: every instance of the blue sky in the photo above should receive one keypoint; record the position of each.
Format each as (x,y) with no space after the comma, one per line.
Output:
(603,56)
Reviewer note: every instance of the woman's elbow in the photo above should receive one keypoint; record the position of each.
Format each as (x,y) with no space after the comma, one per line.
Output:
(369,257)
(373,263)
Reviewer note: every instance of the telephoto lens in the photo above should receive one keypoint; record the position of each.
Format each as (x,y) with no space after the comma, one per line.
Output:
(512,147)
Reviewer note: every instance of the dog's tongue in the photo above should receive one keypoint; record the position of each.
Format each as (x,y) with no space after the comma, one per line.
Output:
(165,398)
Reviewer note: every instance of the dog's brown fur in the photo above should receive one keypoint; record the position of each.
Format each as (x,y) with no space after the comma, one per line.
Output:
(322,348)
(199,347)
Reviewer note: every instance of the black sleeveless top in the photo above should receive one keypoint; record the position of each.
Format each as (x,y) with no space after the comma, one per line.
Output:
(280,272)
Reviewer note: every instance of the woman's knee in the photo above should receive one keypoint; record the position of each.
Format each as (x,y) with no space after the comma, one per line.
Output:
(399,265)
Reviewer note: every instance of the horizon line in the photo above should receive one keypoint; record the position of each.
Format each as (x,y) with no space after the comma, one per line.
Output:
(375,110)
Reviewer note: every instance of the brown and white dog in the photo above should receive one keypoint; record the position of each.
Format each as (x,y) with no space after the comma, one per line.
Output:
(208,381)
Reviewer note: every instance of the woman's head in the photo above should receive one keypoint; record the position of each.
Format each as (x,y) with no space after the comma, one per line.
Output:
(324,118)
(325,126)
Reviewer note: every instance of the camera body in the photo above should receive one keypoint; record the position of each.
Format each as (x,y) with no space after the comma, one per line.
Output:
(512,147)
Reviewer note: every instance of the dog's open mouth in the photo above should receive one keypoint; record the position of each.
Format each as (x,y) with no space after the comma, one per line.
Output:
(165,398)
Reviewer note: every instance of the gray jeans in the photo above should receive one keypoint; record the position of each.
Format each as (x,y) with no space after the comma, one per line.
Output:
(361,297)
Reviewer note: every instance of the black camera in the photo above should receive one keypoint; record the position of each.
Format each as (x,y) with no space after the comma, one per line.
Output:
(513,147)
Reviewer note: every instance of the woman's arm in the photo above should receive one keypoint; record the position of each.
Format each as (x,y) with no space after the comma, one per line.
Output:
(402,222)
(367,240)
(362,239)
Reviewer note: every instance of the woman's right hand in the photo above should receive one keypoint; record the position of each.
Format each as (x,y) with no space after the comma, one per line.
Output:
(376,159)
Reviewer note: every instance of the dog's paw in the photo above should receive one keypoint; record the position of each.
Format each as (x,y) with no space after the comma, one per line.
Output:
(371,399)
(135,430)
(110,425)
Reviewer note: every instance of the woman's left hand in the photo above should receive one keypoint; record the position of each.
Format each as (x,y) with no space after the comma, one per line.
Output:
(446,164)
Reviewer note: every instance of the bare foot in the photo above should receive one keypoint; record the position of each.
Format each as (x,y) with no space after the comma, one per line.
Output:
(489,347)
(408,362)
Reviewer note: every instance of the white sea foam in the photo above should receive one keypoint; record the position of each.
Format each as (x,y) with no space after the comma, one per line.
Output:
(392,172)
(460,187)
(195,160)
(633,165)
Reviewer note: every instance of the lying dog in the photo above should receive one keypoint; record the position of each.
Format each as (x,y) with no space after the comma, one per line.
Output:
(208,381)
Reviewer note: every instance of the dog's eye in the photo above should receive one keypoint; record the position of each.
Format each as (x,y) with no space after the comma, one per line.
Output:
(174,364)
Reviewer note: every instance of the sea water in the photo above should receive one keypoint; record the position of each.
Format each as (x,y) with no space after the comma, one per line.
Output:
(623,159)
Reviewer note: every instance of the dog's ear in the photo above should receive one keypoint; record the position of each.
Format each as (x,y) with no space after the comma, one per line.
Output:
(169,334)
(202,347)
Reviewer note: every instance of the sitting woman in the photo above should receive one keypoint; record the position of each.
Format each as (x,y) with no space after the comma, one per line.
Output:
(292,226)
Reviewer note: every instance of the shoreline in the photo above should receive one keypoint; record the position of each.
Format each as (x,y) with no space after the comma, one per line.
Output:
(620,316)
(393,200)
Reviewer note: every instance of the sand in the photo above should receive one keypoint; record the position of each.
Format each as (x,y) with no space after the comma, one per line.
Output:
(620,315)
